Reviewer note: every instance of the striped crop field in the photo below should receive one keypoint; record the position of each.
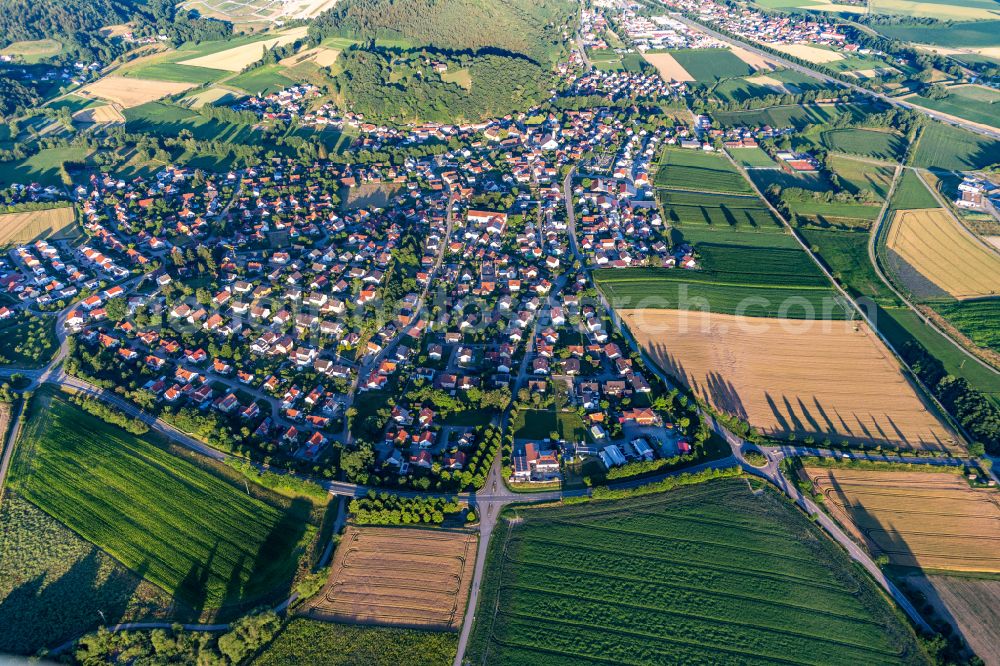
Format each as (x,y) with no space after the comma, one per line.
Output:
(705,574)
(177,524)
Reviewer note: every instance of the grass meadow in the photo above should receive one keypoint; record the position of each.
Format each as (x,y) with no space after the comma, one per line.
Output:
(708,573)
(303,641)
(942,146)
(890,146)
(191,532)
(974,103)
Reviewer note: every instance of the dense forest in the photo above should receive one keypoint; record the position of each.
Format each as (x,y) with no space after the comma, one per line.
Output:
(535,28)
(77,24)
(388,85)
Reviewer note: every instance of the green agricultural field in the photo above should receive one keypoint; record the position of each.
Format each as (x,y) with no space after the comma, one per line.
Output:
(707,65)
(43,167)
(712,573)
(832,213)
(171,71)
(889,146)
(798,116)
(261,81)
(857,175)
(845,254)
(165,119)
(51,581)
(741,89)
(978,319)
(166,67)
(539,423)
(942,146)
(911,193)
(33,51)
(752,158)
(967,34)
(686,169)
(684,209)
(310,643)
(194,534)
(754,294)
(900,325)
(974,103)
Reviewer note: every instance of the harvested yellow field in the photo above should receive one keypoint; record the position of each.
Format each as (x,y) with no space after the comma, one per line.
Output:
(758,62)
(810,53)
(989,52)
(53,223)
(770,82)
(919,519)
(99,114)
(129,92)
(668,67)
(974,605)
(212,95)
(934,245)
(237,58)
(407,577)
(320,56)
(812,378)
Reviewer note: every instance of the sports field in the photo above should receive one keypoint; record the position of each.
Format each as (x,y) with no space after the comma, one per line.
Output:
(918,519)
(929,245)
(406,577)
(703,574)
(820,378)
(52,223)
(686,169)
(129,92)
(176,524)
(753,158)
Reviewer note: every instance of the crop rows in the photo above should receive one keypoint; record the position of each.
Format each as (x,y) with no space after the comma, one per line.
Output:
(773,634)
(181,527)
(648,591)
(700,172)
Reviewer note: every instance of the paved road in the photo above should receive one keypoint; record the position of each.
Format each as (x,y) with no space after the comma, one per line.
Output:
(772,472)
(829,79)
(873,239)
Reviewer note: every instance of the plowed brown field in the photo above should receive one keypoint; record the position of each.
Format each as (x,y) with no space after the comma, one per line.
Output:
(821,378)
(918,519)
(399,576)
(933,244)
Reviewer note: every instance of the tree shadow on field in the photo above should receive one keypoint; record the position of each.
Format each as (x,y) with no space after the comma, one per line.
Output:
(35,615)
(881,539)
(272,572)
(192,592)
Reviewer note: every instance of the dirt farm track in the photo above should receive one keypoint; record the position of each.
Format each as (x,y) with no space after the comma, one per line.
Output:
(813,378)
(918,519)
(407,577)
